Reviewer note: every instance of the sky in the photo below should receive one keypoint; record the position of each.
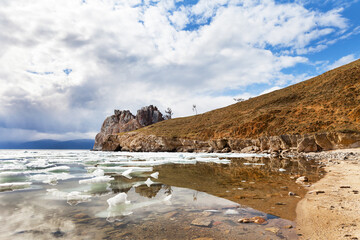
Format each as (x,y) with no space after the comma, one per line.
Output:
(66,65)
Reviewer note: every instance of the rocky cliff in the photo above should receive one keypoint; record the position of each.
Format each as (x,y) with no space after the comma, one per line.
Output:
(321,113)
(125,121)
(137,141)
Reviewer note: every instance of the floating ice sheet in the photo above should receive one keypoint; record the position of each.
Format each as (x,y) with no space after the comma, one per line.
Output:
(118,199)
(72,198)
(14,186)
(99,179)
(50,166)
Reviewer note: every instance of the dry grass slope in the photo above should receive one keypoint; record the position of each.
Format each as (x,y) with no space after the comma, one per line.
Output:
(329,102)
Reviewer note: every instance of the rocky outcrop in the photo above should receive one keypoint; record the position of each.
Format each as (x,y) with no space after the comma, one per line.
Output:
(125,121)
(137,141)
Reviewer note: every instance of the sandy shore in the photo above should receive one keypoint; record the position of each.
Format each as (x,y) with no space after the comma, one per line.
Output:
(331,208)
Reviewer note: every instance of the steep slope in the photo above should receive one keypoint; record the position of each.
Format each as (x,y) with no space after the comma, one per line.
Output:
(327,106)
(329,102)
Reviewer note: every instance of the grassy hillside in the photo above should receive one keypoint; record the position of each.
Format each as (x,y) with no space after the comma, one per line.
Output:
(329,102)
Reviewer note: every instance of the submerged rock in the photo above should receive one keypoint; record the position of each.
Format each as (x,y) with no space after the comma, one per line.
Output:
(202,222)
(273,229)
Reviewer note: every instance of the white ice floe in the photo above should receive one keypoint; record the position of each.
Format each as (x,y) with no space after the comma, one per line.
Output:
(8,174)
(155,175)
(51,178)
(118,199)
(12,167)
(148,182)
(127,173)
(212,210)
(122,169)
(120,206)
(39,164)
(98,173)
(214,160)
(75,197)
(99,179)
(137,184)
(14,185)
(56,193)
(57,169)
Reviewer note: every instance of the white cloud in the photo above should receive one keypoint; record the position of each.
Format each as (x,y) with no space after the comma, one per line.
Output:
(124,54)
(270,90)
(342,61)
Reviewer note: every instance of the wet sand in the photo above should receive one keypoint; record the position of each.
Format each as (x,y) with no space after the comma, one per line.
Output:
(331,208)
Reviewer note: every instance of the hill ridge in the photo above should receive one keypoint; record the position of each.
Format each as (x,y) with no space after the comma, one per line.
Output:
(326,104)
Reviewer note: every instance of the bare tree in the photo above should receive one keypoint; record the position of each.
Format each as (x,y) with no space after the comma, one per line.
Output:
(194,109)
(238,99)
(168,113)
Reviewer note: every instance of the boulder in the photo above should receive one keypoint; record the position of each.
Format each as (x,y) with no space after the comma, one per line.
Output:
(307,144)
(322,140)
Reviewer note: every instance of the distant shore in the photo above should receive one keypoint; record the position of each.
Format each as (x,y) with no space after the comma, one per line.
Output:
(331,208)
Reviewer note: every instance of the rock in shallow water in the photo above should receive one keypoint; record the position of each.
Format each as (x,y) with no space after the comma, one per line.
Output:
(202,222)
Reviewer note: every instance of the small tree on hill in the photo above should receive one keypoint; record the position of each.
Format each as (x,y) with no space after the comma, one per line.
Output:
(168,113)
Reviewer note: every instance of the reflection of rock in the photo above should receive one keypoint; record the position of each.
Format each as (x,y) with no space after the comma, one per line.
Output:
(148,192)
(259,185)
(121,185)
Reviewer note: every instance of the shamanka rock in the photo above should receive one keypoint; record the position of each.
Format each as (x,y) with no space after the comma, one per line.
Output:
(125,121)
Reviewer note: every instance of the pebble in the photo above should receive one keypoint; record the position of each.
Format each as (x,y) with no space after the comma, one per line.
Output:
(244,220)
(291,194)
(288,226)
(202,222)
(280,203)
(302,179)
(257,220)
(273,229)
(120,224)
(58,233)
(170,214)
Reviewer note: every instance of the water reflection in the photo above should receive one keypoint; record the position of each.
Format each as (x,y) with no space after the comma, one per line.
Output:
(154,200)
(254,182)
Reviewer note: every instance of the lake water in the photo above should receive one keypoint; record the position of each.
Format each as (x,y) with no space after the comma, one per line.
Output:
(76,194)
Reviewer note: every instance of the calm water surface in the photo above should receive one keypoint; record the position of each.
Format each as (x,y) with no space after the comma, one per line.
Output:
(62,194)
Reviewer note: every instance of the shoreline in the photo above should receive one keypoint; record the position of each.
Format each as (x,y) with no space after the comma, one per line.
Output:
(331,207)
